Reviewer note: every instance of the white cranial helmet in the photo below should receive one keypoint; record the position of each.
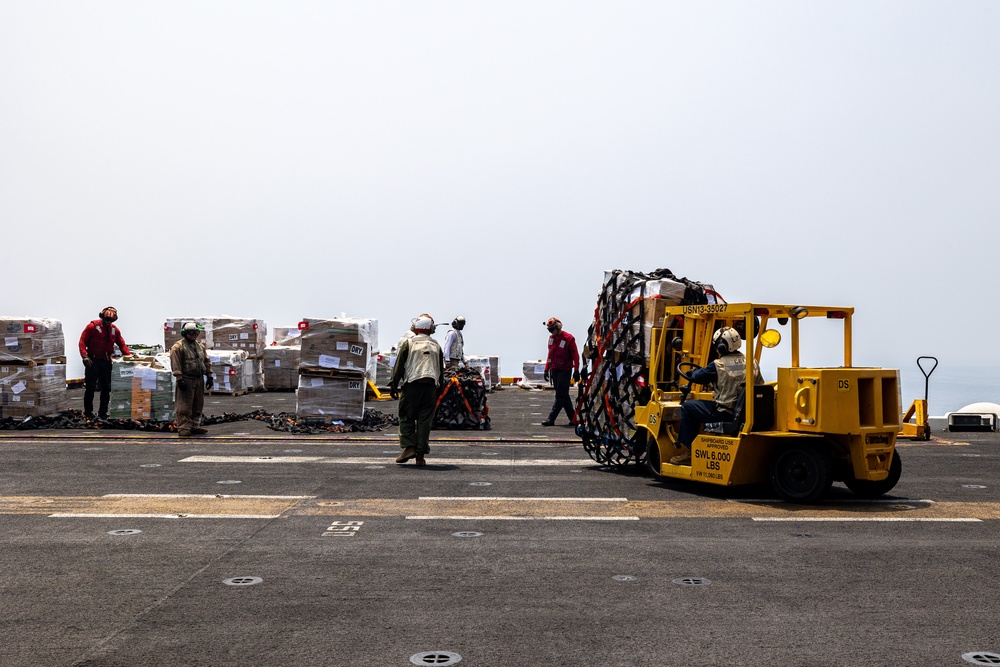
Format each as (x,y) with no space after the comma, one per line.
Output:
(727,340)
(422,324)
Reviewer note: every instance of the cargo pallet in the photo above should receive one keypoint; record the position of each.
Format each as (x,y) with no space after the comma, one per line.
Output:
(238,392)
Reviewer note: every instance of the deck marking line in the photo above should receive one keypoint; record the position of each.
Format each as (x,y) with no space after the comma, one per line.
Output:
(505,498)
(524,518)
(72,515)
(369,460)
(201,495)
(831,519)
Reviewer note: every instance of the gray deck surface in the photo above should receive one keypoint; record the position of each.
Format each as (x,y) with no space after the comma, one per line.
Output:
(510,548)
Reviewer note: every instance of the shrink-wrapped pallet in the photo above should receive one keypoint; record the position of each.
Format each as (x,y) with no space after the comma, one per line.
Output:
(281,367)
(32,391)
(330,399)
(233,373)
(286,336)
(142,390)
(339,345)
(482,365)
(533,373)
(30,340)
(384,363)
(235,333)
(495,371)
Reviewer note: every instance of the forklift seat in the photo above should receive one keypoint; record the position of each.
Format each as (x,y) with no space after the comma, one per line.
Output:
(763,411)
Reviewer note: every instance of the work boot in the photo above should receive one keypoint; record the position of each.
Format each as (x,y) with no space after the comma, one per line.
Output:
(420,460)
(184,433)
(407,454)
(682,459)
(89,416)
(198,430)
(549,422)
(102,417)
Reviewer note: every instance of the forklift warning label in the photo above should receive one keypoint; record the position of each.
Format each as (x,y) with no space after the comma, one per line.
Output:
(712,458)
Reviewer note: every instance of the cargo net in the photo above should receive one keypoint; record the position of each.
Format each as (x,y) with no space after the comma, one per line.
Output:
(462,401)
(617,354)
(373,420)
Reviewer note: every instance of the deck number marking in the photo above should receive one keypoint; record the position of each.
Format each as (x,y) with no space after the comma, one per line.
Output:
(343,529)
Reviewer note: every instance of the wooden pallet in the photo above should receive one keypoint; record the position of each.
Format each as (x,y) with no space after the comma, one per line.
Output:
(217,392)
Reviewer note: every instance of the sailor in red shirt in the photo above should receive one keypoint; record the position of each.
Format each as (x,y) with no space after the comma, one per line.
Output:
(562,363)
(97,345)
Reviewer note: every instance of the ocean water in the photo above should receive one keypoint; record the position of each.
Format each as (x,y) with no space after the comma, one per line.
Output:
(951,389)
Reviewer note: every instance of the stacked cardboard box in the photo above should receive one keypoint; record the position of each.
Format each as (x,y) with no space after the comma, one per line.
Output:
(286,336)
(482,365)
(31,341)
(343,345)
(384,363)
(233,371)
(533,373)
(142,389)
(281,367)
(234,333)
(330,399)
(32,367)
(32,391)
(495,371)
(335,365)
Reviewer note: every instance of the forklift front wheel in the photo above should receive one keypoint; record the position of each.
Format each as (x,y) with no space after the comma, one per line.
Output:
(801,474)
(653,455)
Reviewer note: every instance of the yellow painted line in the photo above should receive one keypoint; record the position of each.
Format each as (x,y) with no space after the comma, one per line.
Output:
(83,515)
(647,509)
(151,505)
(521,509)
(495,461)
(525,518)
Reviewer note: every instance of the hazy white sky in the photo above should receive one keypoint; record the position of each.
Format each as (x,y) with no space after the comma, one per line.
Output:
(286,160)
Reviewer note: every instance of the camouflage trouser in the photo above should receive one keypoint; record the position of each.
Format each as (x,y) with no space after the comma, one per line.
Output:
(189,404)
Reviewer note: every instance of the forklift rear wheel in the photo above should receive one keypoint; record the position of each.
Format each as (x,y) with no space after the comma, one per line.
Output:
(653,455)
(801,474)
(867,489)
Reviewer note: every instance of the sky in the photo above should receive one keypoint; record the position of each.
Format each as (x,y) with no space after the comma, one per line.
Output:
(283,160)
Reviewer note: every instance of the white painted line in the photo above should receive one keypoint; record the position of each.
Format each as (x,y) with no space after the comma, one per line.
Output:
(526,518)
(200,495)
(846,501)
(71,515)
(859,518)
(360,460)
(575,500)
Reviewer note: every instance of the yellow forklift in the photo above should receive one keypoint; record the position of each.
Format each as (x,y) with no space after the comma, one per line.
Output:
(810,427)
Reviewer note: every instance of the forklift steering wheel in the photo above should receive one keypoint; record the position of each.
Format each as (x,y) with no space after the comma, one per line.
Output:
(686,374)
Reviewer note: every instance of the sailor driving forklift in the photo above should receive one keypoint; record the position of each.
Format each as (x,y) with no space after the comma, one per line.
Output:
(728,374)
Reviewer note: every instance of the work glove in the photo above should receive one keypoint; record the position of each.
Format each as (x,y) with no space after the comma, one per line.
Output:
(209,382)
(393,391)
(88,362)
(546,376)
(182,384)
(576,376)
